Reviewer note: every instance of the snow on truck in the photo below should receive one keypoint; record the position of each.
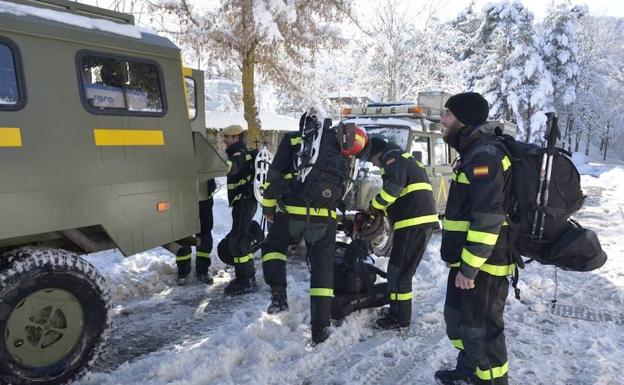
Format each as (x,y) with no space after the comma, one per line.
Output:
(102,145)
(416,129)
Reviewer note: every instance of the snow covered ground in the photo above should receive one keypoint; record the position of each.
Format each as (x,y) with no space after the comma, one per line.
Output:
(193,335)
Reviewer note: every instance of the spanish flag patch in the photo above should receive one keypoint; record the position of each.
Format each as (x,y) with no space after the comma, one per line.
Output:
(480,171)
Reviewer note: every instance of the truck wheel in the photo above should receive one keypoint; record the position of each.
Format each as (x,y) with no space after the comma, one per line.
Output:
(54,316)
(382,244)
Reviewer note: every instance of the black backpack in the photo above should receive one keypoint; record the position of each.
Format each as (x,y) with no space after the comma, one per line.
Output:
(564,243)
(325,184)
(354,280)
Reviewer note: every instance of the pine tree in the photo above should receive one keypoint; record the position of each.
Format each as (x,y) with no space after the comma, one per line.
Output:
(505,66)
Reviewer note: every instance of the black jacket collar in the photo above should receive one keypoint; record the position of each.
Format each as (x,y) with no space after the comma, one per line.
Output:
(236,147)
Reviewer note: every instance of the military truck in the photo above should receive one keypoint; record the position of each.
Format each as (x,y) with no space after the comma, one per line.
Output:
(415,128)
(99,148)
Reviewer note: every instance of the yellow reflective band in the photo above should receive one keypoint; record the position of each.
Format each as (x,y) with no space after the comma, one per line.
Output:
(459,344)
(248,157)
(10,137)
(289,175)
(498,270)
(471,259)
(243,259)
(400,296)
(383,172)
(387,197)
(506,163)
(492,373)
(232,186)
(456,264)
(108,137)
(482,237)
(416,221)
(406,155)
(239,196)
(229,164)
(183,257)
(201,254)
(298,210)
(266,185)
(415,187)
(451,225)
(460,177)
(378,205)
(266,202)
(273,256)
(295,141)
(321,292)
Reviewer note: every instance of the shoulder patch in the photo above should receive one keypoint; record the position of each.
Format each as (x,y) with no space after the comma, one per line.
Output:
(390,161)
(481,171)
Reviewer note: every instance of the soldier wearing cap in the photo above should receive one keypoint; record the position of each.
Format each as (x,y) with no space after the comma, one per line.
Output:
(235,248)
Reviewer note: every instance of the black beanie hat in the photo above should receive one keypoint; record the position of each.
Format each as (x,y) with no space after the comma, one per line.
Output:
(469,108)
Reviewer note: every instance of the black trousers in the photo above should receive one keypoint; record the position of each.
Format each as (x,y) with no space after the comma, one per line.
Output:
(408,246)
(204,244)
(320,239)
(474,324)
(239,238)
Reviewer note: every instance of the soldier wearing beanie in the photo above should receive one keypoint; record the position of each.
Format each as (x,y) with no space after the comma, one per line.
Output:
(475,247)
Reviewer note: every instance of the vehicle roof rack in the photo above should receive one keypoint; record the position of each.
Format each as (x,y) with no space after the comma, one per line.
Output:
(80,9)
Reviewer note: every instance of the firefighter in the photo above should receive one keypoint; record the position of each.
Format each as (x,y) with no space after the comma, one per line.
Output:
(204,243)
(235,248)
(475,246)
(292,218)
(407,199)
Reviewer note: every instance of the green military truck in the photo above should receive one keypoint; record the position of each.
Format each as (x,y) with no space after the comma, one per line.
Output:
(415,128)
(99,148)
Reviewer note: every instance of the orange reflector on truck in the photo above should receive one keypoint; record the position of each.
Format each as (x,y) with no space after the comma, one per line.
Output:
(162,206)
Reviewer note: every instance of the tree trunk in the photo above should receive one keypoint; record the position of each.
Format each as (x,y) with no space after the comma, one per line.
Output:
(587,144)
(606,142)
(249,99)
(577,141)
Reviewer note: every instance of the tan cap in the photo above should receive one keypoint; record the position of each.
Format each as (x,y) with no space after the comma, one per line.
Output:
(234,129)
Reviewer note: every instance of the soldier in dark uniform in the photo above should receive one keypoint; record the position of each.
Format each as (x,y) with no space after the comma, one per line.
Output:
(235,248)
(407,199)
(292,218)
(204,242)
(475,246)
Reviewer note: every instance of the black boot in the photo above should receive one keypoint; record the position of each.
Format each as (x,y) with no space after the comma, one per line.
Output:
(183,261)
(279,300)
(454,377)
(201,270)
(239,286)
(390,323)
(319,334)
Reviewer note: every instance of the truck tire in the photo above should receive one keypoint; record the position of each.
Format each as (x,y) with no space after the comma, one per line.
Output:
(54,316)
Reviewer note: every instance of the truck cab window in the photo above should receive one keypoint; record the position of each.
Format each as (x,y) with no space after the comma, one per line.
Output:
(120,85)
(191,97)
(442,154)
(9,90)
(420,146)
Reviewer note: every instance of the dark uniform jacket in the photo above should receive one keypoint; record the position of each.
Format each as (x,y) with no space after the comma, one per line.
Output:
(475,231)
(240,172)
(406,195)
(281,179)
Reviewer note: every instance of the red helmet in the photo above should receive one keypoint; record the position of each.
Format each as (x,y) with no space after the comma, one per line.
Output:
(354,139)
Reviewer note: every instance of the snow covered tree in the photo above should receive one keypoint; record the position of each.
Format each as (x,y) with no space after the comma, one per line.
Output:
(279,39)
(507,69)
(560,50)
